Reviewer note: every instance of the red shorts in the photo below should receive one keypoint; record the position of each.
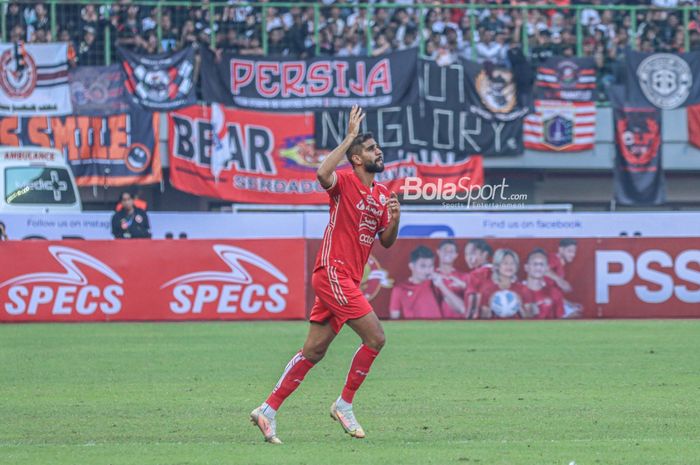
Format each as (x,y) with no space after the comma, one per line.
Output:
(338,298)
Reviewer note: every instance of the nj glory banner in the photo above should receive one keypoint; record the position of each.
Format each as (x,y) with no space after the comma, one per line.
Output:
(313,84)
(447,124)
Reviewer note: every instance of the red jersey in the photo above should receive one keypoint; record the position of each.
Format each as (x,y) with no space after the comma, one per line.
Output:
(357,214)
(477,277)
(489,289)
(555,264)
(453,282)
(549,300)
(415,300)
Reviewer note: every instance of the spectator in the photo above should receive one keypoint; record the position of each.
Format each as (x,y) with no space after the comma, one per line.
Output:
(14,17)
(3,232)
(277,45)
(169,34)
(489,49)
(89,54)
(130,222)
(128,30)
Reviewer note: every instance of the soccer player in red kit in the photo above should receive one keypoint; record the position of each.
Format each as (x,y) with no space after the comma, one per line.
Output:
(415,298)
(477,254)
(557,261)
(547,300)
(504,277)
(360,209)
(449,281)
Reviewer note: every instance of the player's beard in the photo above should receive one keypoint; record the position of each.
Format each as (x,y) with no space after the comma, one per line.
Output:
(374,166)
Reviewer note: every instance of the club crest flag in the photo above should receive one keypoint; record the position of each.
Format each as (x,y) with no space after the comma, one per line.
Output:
(560,126)
(34,79)
(663,80)
(160,82)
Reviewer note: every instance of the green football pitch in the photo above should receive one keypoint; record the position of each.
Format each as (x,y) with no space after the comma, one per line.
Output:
(475,393)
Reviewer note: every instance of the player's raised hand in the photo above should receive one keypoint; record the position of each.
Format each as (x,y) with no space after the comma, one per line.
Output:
(394,206)
(356,117)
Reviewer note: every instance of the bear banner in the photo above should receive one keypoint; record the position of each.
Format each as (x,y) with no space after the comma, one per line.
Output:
(250,156)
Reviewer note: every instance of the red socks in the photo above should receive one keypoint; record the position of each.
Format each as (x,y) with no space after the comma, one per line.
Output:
(292,377)
(359,368)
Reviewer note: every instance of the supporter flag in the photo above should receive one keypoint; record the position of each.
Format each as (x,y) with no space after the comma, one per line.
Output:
(99,90)
(663,80)
(250,156)
(570,79)
(118,150)
(491,92)
(694,125)
(160,82)
(286,84)
(34,79)
(638,175)
(560,126)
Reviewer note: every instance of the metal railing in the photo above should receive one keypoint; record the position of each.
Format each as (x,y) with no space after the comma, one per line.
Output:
(472,10)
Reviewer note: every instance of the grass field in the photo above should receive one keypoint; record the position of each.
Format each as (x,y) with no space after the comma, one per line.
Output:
(528,393)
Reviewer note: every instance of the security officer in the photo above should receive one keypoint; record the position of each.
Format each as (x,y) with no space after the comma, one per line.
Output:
(130,222)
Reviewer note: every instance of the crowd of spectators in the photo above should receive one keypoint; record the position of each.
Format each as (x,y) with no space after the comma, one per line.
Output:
(447,30)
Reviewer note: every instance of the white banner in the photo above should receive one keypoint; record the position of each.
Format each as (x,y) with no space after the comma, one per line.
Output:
(34,79)
(291,224)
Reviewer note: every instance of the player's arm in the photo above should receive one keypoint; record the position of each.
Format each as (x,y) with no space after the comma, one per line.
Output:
(561,282)
(326,172)
(389,235)
(455,302)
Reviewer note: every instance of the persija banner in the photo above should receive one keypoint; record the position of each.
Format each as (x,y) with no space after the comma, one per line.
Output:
(442,128)
(595,278)
(135,280)
(248,156)
(638,176)
(117,150)
(314,84)
(694,125)
(663,80)
(560,126)
(160,82)
(99,90)
(568,79)
(34,79)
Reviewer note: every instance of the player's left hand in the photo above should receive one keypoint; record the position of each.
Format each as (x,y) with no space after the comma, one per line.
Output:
(394,207)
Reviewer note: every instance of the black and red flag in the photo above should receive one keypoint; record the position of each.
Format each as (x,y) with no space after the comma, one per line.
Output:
(160,82)
(564,78)
(638,175)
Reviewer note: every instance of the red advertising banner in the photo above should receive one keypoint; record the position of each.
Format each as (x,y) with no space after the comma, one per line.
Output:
(269,279)
(250,156)
(152,280)
(609,278)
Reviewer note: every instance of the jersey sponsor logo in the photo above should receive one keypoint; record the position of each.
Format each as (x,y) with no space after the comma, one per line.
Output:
(67,292)
(366,239)
(655,275)
(665,80)
(250,285)
(369,223)
(360,205)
